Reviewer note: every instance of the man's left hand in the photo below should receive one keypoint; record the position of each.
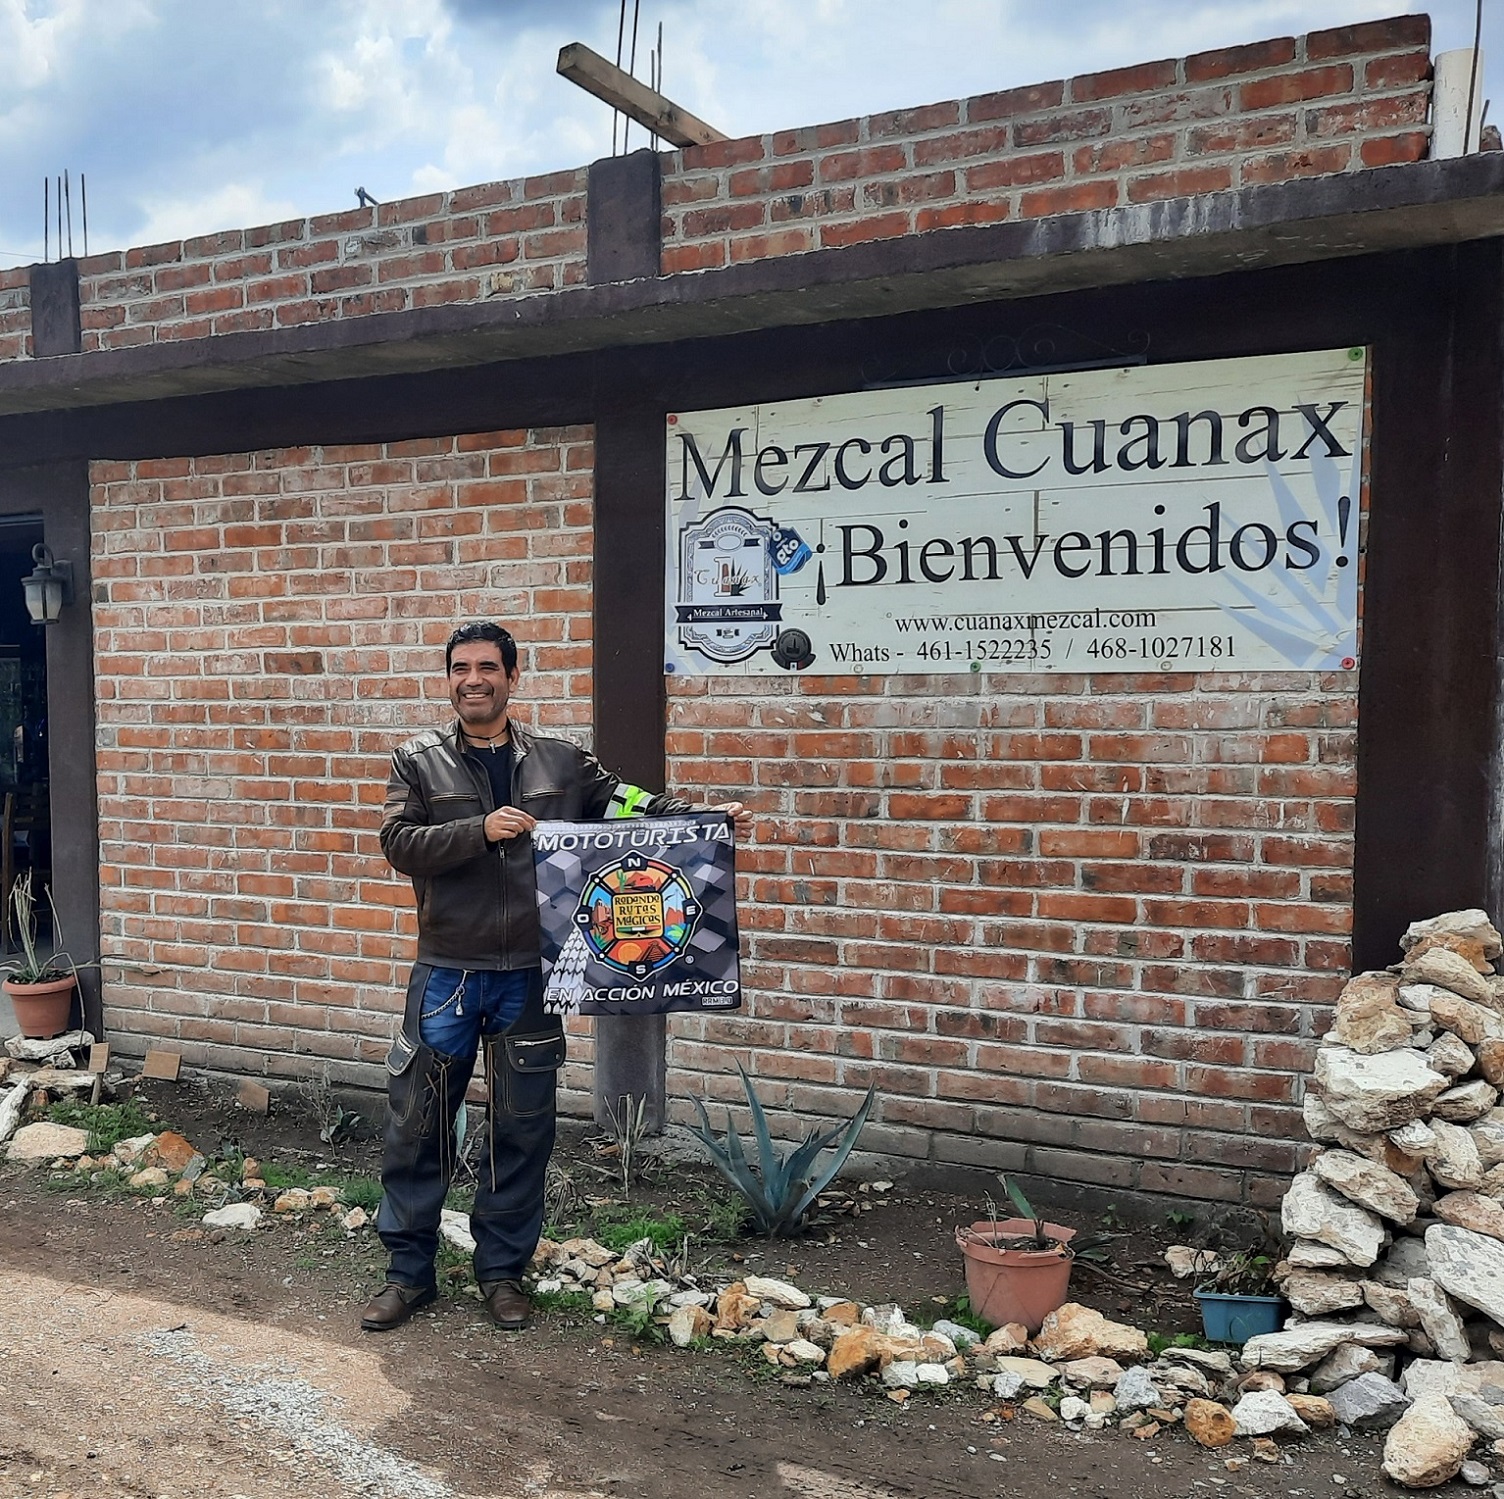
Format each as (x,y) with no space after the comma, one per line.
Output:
(740,814)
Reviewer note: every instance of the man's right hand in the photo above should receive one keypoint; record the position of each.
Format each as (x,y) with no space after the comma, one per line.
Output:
(508,822)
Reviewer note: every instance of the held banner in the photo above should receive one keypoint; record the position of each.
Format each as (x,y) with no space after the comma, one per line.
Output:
(638,915)
(1188,517)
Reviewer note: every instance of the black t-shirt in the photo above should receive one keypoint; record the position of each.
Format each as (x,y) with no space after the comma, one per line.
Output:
(498,764)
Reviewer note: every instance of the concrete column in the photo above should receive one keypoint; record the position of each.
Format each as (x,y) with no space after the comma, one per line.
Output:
(623,219)
(630,1062)
(1458,84)
(56,327)
(630,701)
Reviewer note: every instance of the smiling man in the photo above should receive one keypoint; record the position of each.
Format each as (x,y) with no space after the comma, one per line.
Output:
(461,803)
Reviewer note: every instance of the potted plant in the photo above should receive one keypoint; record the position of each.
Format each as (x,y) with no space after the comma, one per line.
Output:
(40,988)
(1017,1269)
(1239,1300)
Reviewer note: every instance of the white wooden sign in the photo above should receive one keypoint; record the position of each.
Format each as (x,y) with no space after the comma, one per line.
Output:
(1190,517)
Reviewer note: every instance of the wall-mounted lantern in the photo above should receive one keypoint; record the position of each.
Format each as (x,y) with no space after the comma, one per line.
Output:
(49,586)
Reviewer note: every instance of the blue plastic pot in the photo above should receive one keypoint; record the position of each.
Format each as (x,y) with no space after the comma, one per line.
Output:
(1235,1319)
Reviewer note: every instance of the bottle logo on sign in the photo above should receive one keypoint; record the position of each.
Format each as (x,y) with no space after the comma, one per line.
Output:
(728,605)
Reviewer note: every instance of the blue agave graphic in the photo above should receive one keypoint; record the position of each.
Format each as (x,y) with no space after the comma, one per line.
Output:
(1295,618)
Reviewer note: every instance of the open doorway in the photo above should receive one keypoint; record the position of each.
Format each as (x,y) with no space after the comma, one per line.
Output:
(25,814)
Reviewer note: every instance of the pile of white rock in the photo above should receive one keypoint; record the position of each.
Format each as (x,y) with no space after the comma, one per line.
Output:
(1396,1274)
(1080,1369)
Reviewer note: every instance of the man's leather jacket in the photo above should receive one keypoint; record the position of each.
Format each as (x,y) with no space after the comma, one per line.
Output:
(477,901)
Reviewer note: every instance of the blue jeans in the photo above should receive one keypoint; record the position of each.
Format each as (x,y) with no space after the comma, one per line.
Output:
(461,1005)
(461,1012)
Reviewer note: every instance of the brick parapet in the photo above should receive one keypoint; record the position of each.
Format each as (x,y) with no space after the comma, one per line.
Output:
(500,239)
(1332,101)
(15,314)
(267,628)
(1336,101)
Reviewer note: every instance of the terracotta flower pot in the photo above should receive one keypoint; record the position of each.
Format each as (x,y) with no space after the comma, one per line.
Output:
(42,1010)
(1015,1285)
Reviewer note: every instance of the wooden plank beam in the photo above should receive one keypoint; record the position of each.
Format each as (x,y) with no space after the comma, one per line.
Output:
(636,100)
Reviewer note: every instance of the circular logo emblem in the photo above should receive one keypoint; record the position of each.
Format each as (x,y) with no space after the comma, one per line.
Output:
(638,915)
(794,650)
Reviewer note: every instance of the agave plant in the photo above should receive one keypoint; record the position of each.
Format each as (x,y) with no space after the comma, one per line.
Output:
(780,1189)
(1025,1210)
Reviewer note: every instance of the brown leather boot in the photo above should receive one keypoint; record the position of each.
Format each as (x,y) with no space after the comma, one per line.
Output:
(508,1304)
(392,1305)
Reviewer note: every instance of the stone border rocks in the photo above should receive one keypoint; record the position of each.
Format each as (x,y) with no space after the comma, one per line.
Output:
(1396,1272)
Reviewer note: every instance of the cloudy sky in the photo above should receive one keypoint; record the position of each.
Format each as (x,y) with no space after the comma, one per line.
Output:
(194,115)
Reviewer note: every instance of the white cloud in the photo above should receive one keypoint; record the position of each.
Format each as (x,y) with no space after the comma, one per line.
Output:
(233,206)
(35,43)
(480,107)
(371,66)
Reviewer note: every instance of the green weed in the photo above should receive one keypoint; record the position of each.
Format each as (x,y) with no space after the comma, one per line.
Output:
(636,1319)
(707,1217)
(955,1309)
(359,1192)
(113,1186)
(450,1260)
(619,1226)
(1159,1341)
(962,1315)
(354,1191)
(724,1218)
(562,1303)
(107,1123)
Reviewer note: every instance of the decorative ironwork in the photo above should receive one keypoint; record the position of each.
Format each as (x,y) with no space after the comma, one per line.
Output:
(1041,348)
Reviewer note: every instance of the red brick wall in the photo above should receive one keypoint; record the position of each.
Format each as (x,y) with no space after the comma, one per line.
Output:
(500,239)
(267,627)
(1333,101)
(1086,927)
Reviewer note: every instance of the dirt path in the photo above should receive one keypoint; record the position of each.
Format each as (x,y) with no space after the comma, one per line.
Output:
(131,1394)
(137,1358)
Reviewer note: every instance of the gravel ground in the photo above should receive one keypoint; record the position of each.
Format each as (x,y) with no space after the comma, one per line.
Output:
(292,1410)
(119,1393)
